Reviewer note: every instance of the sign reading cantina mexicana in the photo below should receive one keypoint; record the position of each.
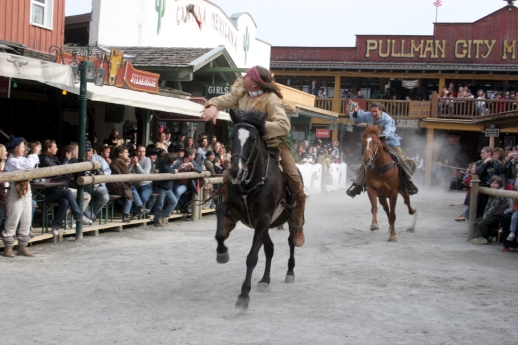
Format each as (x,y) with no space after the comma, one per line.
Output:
(440,49)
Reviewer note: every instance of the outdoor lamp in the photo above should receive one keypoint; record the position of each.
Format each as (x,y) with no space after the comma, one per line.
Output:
(99,77)
(75,72)
(90,71)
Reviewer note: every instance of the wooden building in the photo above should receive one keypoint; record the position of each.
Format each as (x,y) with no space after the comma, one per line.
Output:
(479,56)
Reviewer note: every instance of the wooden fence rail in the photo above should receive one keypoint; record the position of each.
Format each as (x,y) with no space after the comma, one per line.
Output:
(25,175)
(87,180)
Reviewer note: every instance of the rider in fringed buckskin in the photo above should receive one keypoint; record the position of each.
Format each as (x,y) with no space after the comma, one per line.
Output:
(388,129)
(258,91)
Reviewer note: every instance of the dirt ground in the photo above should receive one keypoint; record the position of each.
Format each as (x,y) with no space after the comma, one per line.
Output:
(163,285)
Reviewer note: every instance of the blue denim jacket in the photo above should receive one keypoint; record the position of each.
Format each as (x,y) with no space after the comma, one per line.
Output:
(387,124)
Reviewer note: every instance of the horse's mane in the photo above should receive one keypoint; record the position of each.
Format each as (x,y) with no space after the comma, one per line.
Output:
(374,130)
(254,118)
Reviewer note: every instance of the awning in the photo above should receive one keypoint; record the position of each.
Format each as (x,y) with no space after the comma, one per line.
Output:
(22,67)
(309,111)
(137,99)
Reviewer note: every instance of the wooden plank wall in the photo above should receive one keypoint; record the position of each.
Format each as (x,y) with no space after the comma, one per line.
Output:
(15,25)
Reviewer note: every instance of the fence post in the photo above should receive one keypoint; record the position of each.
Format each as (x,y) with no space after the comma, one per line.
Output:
(473,201)
(195,205)
(435,105)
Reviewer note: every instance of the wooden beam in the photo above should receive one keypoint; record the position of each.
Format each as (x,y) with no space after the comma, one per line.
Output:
(27,175)
(87,180)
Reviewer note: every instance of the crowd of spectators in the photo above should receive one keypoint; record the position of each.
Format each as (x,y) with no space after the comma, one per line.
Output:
(117,155)
(496,169)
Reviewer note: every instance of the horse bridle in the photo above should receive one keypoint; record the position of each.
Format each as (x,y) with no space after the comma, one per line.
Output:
(374,156)
(247,161)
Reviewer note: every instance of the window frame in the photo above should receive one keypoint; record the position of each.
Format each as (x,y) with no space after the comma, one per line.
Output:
(48,14)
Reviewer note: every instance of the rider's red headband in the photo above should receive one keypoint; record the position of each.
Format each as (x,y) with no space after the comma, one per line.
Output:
(253,73)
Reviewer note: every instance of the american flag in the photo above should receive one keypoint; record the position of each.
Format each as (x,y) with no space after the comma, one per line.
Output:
(161,127)
(437,3)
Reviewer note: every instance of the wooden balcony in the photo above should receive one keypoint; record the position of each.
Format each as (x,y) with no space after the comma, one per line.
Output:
(450,108)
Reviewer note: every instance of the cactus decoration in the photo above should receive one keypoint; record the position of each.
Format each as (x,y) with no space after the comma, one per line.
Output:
(160,8)
(246,43)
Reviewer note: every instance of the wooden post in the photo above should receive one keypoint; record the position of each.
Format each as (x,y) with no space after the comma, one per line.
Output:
(492,142)
(435,105)
(195,206)
(336,96)
(473,201)
(429,157)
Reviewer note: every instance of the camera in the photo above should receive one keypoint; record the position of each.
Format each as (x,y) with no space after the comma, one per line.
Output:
(352,105)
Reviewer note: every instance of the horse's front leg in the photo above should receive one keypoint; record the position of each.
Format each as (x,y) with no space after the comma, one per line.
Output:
(268,252)
(261,229)
(411,210)
(224,226)
(392,218)
(374,208)
(290,275)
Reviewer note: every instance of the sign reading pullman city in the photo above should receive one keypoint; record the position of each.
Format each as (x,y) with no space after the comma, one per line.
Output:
(492,39)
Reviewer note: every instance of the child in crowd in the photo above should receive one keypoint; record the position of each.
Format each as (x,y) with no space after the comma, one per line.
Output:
(495,208)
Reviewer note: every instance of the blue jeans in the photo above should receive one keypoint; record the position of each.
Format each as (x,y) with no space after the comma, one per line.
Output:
(466,212)
(100,197)
(144,192)
(66,199)
(168,195)
(178,190)
(126,203)
(514,222)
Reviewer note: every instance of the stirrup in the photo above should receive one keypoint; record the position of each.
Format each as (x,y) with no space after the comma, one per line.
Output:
(411,188)
(354,190)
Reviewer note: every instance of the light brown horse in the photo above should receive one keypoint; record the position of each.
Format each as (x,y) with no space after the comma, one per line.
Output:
(382,177)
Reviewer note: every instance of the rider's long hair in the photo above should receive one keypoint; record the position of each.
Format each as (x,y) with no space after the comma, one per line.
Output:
(269,85)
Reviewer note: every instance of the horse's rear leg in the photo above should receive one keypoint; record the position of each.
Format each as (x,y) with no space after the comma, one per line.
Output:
(374,208)
(392,218)
(411,210)
(224,226)
(261,230)
(268,252)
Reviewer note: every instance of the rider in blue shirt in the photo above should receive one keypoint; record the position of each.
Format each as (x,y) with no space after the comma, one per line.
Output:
(388,133)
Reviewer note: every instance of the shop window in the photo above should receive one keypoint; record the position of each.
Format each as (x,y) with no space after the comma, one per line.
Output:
(42,13)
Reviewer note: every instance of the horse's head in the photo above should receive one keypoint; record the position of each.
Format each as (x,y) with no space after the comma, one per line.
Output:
(372,145)
(246,138)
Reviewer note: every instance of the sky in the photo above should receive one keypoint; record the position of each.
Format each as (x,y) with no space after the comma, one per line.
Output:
(334,23)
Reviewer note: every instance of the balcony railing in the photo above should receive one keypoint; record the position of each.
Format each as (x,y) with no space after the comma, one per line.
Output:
(454,108)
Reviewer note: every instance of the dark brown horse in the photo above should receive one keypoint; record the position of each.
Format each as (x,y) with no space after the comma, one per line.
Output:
(255,195)
(382,177)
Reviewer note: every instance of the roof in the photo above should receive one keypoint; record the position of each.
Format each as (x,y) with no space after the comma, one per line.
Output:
(344,65)
(156,56)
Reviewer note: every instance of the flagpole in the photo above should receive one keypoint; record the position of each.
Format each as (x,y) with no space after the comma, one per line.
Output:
(436,10)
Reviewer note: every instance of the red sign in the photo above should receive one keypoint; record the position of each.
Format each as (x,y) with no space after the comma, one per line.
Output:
(323,133)
(140,80)
(5,87)
(126,76)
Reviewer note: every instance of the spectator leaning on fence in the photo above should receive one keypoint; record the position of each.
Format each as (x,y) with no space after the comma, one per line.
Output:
(140,164)
(124,189)
(493,212)
(164,189)
(186,164)
(19,198)
(98,191)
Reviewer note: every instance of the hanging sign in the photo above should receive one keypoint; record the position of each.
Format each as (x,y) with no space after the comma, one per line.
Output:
(410,84)
(323,133)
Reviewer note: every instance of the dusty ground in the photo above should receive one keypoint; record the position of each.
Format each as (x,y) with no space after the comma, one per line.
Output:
(163,286)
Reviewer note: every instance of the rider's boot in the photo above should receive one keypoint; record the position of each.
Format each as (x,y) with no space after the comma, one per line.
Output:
(410,186)
(297,221)
(354,190)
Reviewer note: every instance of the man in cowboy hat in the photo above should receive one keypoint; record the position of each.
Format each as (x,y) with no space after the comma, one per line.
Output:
(177,143)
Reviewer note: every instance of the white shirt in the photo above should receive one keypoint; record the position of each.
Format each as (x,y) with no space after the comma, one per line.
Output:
(21,163)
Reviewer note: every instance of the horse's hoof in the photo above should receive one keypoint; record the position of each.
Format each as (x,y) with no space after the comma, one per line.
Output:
(392,239)
(410,230)
(290,278)
(374,227)
(242,303)
(262,286)
(222,258)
